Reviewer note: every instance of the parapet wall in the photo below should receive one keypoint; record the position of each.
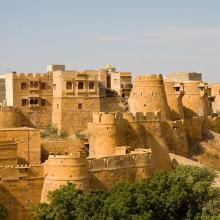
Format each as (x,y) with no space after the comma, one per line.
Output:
(10,117)
(20,188)
(32,75)
(105,172)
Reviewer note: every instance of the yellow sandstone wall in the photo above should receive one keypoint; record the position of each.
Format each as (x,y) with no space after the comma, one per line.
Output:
(20,188)
(195,100)
(107,171)
(148,95)
(61,169)
(28,143)
(175,93)
(10,117)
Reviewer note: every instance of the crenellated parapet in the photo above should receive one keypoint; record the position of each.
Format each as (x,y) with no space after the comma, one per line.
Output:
(148,94)
(32,76)
(106,118)
(115,162)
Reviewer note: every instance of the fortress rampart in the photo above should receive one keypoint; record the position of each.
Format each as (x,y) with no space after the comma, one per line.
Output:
(105,172)
(10,117)
(148,94)
(20,188)
(60,169)
(175,93)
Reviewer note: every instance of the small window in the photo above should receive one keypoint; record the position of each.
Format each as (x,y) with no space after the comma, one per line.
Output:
(177,89)
(91,85)
(68,85)
(43,85)
(57,105)
(43,102)
(80,85)
(23,86)
(80,105)
(24,102)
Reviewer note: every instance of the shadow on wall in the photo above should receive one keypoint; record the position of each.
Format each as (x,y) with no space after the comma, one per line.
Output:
(17,210)
(188,113)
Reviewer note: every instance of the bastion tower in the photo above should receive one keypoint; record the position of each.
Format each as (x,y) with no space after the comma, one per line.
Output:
(60,169)
(175,93)
(195,100)
(104,134)
(148,95)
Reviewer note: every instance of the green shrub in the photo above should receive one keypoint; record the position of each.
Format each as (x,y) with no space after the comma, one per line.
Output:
(185,193)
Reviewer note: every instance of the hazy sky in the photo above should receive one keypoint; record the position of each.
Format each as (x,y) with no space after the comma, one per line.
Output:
(141,36)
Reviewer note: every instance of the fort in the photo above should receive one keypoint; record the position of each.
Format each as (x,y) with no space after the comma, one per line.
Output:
(116,130)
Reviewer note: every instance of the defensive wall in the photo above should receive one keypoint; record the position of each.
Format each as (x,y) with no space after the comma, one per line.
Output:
(10,117)
(20,188)
(27,141)
(148,94)
(105,172)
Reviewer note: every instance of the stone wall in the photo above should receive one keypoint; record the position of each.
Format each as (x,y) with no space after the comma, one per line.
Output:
(10,117)
(148,94)
(8,153)
(38,115)
(60,169)
(20,188)
(57,147)
(28,143)
(175,135)
(105,172)
(195,100)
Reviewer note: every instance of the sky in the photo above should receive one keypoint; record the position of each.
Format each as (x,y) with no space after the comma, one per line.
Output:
(141,36)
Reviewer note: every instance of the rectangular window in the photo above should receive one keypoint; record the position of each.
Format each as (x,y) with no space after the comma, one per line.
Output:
(80,85)
(91,85)
(43,85)
(23,86)
(24,102)
(69,85)
(43,102)
(80,105)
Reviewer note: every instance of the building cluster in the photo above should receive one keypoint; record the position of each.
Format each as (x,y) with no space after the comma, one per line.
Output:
(131,126)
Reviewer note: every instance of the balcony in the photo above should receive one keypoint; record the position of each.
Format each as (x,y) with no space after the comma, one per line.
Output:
(34,86)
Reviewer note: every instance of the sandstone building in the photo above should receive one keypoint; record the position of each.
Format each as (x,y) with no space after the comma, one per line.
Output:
(131,129)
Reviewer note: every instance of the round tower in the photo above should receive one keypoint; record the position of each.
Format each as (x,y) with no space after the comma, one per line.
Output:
(148,95)
(175,93)
(9,117)
(60,169)
(104,134)
(133,134)
(195,100)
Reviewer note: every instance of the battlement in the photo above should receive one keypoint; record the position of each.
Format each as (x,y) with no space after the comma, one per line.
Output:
(74,155)
(148,116)
(136,159)
(145,77)
(106,118)
(32,76)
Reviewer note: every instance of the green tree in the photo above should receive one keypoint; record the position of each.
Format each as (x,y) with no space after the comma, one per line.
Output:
(3,212)
(185,193)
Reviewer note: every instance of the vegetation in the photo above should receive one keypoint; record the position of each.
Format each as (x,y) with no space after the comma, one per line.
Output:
(82,136)
(185,193)
(52,131)
(3,212)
